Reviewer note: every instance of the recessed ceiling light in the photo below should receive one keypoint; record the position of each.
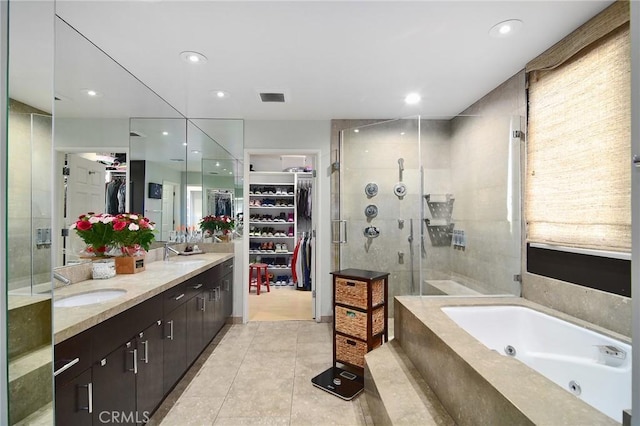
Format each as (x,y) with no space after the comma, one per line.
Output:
(195,151)
(91,93)
(193,57)
(412,98)
(401,133)
(217,164)
(220,94)
(165,133)
(184,144)
(505,28)
(230,173)
(356,130)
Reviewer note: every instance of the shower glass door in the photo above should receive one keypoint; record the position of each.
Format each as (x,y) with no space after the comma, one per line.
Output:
(472,205)
(380,202)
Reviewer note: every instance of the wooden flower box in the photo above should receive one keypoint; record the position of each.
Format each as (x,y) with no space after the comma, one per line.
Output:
(129,264)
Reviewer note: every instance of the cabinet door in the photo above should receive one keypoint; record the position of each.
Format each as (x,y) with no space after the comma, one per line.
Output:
(114,387)
(175,346)
(209,321)
(227,297)
(74,405)
(195,315)
(149,383)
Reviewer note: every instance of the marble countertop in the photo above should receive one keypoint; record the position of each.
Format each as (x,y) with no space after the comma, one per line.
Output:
(157,277)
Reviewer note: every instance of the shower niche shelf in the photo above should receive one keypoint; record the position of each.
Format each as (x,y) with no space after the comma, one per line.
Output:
(440,227)
(440,205)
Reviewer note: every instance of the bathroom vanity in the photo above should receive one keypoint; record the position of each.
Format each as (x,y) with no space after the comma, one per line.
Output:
(115,361)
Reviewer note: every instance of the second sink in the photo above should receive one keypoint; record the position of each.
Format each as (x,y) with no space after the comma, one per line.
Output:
(89,298)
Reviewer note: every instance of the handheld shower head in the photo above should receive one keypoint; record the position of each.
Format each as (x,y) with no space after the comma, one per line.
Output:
(401,163)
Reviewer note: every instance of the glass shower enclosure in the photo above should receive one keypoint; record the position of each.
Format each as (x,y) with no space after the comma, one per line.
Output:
(433,202)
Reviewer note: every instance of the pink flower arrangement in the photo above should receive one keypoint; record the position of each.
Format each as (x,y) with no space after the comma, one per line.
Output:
(96,230)
(131,232)
(212,223)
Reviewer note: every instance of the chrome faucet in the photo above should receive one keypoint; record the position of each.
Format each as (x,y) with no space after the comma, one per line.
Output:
(64,280)
(167,249)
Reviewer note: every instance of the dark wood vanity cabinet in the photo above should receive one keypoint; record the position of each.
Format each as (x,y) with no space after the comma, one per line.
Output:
(174,346)
(149,381)
(73,400)
(120,370)
(114,386)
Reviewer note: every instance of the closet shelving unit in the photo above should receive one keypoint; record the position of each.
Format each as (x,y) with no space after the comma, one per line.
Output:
(263,188)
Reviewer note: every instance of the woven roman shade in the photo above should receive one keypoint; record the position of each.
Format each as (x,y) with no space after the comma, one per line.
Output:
(578,183)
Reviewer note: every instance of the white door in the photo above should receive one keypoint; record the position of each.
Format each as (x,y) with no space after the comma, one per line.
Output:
(85,193)
(168,202)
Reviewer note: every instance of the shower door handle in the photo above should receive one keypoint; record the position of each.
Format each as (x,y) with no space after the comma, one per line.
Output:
(339,231)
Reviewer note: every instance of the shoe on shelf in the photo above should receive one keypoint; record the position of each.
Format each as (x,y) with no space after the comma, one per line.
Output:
(290,218)
(290,232)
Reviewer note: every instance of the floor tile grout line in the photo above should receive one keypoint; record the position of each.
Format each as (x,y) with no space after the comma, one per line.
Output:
(235,376)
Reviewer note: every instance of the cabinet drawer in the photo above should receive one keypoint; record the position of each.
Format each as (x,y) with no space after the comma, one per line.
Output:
(354,293)
(175,296)
(67,352)
(352,351)
(354,323)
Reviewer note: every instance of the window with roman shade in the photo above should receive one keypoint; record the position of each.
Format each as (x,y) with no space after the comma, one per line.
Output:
(578,176)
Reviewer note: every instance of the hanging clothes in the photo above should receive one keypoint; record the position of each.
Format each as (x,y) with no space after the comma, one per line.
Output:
(294,262)
(111,201)
(122,193)
(303,200)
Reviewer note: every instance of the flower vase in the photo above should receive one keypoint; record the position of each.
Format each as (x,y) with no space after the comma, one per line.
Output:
(130,264)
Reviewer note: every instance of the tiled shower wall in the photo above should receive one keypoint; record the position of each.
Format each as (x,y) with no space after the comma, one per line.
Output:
(372,156)
(29,195)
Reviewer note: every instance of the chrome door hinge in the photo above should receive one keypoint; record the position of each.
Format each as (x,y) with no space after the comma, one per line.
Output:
(313,294)
(335,166)
(517,278)
(517,134)
(313,173)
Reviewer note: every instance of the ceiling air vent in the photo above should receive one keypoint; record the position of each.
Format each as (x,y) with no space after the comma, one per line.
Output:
(272,97)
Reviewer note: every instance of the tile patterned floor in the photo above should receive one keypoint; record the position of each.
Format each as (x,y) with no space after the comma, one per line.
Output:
(260,374)
(281,303)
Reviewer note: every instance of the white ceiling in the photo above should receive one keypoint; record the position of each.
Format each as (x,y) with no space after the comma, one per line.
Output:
(332,59)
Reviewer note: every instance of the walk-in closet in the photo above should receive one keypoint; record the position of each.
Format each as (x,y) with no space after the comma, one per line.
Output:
(280,228)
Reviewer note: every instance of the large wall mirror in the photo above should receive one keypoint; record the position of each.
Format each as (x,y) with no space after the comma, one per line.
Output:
(107,143)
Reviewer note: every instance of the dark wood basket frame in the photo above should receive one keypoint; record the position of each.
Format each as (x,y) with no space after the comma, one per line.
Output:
(373,340)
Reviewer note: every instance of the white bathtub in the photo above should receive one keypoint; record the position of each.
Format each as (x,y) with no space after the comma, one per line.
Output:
(573,357)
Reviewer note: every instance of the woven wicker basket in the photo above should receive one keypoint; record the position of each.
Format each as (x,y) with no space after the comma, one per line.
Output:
(354,323)
(352,351)
(354,293)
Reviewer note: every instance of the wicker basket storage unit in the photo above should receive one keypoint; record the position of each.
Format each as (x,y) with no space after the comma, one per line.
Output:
(360,309)
(354,292)
(354,323)
(352,351)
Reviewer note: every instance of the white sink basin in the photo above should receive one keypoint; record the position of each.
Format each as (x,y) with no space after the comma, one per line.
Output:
(88,298)
(185,262)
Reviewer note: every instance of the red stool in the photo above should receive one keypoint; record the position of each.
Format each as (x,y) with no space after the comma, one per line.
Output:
(257,281)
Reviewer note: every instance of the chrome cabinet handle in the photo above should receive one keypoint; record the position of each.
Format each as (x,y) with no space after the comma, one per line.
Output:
(179,297)
(135,361)
(145,357)
(89,406)
(66,366)
(197,286)
(170,336)
(226,284)
(204,304)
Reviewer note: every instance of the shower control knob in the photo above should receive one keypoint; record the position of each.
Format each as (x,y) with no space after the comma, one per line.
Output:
(371,232)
